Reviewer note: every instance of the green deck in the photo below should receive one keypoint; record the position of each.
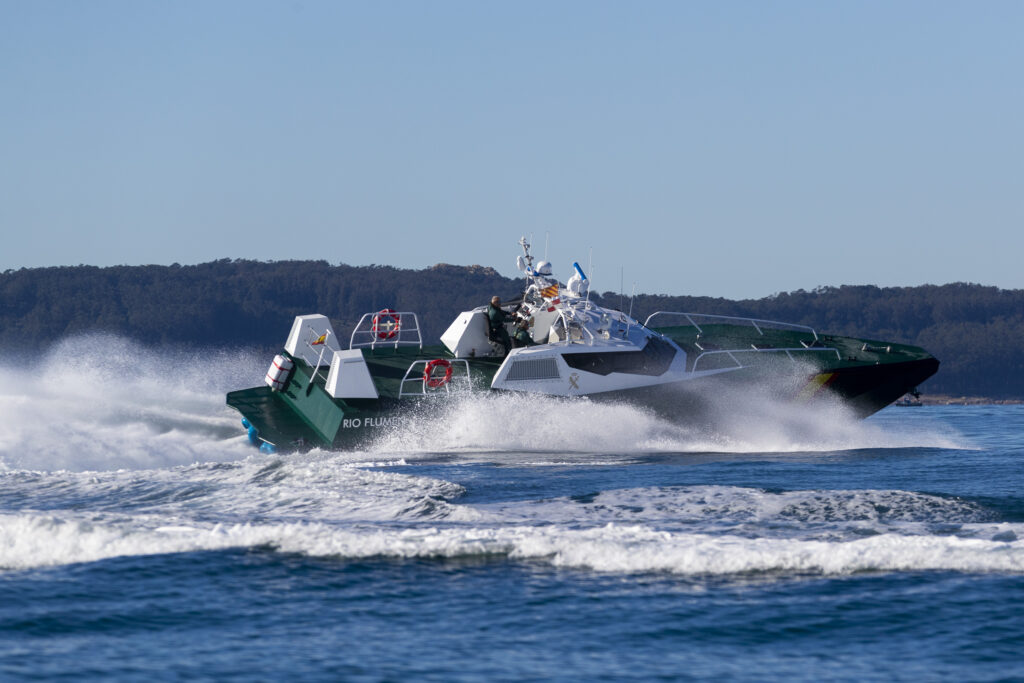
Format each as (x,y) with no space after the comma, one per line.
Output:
(304,415)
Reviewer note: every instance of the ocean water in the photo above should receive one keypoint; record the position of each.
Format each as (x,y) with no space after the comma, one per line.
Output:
(142,538)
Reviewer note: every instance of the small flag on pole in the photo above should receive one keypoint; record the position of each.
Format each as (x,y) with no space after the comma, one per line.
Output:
(550,292)
(319,340)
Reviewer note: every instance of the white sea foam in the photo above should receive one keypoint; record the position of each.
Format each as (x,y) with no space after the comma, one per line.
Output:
(320,505)
(45,540)
(313,486)
(637,549)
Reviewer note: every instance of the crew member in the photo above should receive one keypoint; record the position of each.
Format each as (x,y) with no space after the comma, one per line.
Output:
(522,336)
(496,319)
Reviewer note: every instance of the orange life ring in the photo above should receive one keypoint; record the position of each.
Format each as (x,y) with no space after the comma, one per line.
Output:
(433,381)
(386,324)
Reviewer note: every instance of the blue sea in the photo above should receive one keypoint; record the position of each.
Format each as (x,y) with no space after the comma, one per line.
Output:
(143,539)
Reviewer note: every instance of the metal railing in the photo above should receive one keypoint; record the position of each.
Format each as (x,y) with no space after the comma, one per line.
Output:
(731,354)
(418,380)
(571,325)
(386,328)
(313,339)
(755,322)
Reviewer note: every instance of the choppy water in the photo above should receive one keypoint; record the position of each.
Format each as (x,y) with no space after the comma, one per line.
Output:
(142,538)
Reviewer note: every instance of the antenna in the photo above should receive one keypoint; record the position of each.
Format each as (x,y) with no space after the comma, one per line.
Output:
(629,316)
(529,259)
(526,250)
(622,271)
(547,236)
(589,288)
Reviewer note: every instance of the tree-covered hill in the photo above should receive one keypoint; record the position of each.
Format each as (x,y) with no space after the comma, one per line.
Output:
(975,331)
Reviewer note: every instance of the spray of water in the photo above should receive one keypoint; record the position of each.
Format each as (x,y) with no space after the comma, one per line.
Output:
(102,402)
(731,419)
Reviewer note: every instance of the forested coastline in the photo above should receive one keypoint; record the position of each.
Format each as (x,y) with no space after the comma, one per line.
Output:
(975,331)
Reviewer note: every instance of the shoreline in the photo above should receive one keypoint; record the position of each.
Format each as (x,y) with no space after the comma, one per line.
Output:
(947,400)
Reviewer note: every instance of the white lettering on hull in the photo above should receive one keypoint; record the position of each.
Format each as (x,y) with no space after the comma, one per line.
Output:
(371,422)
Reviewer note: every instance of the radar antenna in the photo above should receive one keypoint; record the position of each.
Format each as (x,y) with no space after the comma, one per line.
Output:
(525,262)
(526,251)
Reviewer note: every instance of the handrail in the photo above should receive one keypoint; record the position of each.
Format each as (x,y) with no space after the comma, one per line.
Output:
(752,321)
(578,325)
(404,334)
(788,352)
(320,341)
(466,379)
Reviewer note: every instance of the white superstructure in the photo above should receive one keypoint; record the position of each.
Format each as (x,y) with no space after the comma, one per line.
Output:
(579,346)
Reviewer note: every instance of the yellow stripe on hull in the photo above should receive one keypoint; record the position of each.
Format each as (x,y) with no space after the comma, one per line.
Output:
(814,386)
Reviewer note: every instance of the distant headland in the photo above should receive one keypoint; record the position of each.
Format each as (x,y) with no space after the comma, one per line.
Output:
(947,400)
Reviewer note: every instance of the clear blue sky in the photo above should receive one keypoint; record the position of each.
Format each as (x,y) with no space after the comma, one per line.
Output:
(721,148)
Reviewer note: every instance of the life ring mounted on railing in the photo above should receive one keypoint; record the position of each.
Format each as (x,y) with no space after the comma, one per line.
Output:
(435,381)
(386,324)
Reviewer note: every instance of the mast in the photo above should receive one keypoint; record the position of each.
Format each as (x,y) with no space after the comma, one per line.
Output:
(527,259)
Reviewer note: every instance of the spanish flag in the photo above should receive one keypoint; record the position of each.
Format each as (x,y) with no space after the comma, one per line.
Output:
(550,292)
(319,340)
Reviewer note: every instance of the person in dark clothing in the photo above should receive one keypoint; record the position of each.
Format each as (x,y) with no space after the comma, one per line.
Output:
(496,319)
(522,336)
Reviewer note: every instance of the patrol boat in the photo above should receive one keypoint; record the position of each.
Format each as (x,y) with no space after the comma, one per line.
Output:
(320,393)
